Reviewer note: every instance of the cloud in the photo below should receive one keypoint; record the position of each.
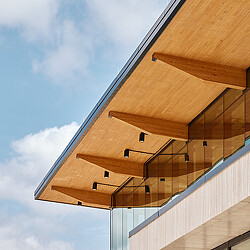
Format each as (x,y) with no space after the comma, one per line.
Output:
(31,157)
(64,45)
(67,41)
(34,18)
(11,237)
(70,58)
(29,224)
(125,23)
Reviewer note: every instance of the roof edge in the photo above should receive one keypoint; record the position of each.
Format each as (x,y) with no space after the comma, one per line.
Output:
(153,34)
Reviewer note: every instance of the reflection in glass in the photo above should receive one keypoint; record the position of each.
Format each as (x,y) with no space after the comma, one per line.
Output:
(213,112)
(116,229)
(217,133)
(138,202)
(231,96)
(234,128)
(245,245)
(195,165)
(196,128)
(179,167)
(247,115)
(214,138)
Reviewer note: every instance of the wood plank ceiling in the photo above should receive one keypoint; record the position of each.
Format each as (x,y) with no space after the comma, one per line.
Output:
(213,32)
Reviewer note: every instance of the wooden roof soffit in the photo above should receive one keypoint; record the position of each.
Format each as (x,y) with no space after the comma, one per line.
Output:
(220,74)
(85,196)
(117,166)
(174,130)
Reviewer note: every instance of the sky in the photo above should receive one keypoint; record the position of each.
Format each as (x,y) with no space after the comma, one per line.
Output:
(57,58)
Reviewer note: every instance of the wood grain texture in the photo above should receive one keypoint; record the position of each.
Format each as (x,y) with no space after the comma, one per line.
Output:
(230,77)
(174,130)
(208,217)
(88,197)
(210,31)
(124,167)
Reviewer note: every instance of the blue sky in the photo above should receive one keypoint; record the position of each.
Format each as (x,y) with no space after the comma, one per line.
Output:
(57,57)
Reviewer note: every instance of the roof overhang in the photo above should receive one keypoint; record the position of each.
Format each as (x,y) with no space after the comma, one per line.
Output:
(194,51)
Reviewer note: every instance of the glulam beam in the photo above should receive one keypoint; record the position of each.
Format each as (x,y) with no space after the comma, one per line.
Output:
(174,130)
(90,197)
(227,76)
(117,166)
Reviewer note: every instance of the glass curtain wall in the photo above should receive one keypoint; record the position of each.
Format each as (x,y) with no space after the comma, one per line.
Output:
(216,134)
(241,242)
(245,245)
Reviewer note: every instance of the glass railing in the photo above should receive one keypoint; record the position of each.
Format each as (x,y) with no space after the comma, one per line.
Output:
(217,133)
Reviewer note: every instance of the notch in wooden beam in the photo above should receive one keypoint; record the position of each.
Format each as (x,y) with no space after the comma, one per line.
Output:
(90,197)
(117,166)
(174,130)
(227,76)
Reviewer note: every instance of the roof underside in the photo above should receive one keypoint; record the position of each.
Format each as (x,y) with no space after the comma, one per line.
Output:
(213,31)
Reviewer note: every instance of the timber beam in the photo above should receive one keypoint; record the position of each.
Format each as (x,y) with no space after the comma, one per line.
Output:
(90,197)
(174,130)
(229,77)
(117,166)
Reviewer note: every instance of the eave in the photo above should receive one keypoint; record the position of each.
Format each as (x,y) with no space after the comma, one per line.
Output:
(176,95)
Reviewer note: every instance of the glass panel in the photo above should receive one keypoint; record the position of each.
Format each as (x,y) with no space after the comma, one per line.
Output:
(234,129)
(231,96)
(127,226)
(151,198)
(124,197)
(245,245)
(138,216)
(195,128)
(165,175)
(214,142)
(153,167)
(138,202)
(213,112)
(127,194)
(116,229)
(213,134)
(179,167)
(247,100)
(151,187)
(196,160)
(118,199)
(138,193)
